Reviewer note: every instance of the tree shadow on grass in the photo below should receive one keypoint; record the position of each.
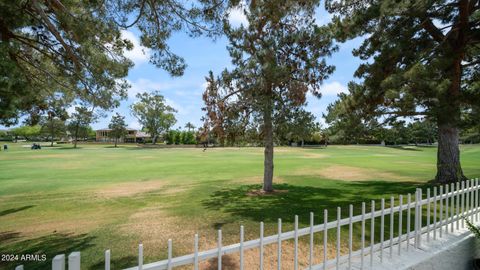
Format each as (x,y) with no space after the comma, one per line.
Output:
(399,147)
(427,146)
(8,236)
(116,263)
(15,210)
(301,200)
(50,245)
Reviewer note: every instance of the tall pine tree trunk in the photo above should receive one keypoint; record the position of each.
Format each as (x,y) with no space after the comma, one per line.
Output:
(449,169)
(268,153)
(76,137)
(52,131)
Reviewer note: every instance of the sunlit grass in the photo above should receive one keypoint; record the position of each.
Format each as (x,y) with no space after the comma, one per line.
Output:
(60,199)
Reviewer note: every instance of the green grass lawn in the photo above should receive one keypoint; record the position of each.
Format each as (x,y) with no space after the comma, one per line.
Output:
(60,199)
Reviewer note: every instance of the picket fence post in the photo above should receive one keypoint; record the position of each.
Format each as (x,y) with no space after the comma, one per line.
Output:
(58,262)
(74,261)
(107,259)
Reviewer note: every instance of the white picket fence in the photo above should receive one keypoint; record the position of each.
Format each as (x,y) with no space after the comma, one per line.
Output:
(445,212)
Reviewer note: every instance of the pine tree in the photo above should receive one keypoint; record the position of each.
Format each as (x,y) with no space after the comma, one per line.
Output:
(118,128)
(79,123)
(278,58)
(421,59)
(76,47)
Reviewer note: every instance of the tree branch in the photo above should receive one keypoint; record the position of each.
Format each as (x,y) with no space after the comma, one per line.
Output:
(436,34)
(57,35)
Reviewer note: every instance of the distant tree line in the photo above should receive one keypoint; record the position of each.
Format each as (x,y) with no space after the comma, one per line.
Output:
(180,137)
(62,131)
(400,132)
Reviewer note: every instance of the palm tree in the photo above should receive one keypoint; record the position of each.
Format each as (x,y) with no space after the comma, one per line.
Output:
(189,126)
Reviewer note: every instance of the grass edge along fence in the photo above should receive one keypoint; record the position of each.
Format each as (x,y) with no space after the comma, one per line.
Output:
(446,208)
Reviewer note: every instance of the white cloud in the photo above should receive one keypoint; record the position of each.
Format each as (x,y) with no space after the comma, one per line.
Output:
(181,110)
(237,17)
(143,85)
(333,88)
(138,54)
(181,87)
(135,125)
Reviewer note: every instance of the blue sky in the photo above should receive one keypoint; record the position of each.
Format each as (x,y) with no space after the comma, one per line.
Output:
(201,55)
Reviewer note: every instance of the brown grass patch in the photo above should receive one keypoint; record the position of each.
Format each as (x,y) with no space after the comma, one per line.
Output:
(252,257)
(77,226)
(285,150)
(314,155)
(154,226)
(348,173)
(174,189)
(62,223)
(129,189)
(261,192)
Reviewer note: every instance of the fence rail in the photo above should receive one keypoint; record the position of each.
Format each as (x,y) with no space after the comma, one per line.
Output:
(446,209)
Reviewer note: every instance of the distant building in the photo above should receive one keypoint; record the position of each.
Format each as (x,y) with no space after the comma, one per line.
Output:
(133,136)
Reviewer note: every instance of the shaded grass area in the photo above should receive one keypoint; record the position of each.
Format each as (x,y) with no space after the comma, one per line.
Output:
(301,200)
(61,199)
(14,210)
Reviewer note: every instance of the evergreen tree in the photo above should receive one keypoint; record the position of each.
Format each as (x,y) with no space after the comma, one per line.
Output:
(118,128)
(76,47)
(79,122)
(53,123)
(421,59)
(52,127)
(278,58)
(298,126)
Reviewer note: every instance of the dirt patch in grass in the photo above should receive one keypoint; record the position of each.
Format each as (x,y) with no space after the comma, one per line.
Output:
(36,226)
(270,257)
(76,226)
(348,173)
(416,164)
(153,227)
(129,189)
(285,150)
(261,192)
(170,190)
(314,155)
